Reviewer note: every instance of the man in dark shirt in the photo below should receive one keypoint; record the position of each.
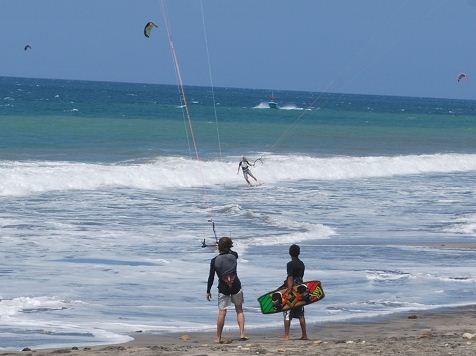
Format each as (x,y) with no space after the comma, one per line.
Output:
(229,286)
(295,269)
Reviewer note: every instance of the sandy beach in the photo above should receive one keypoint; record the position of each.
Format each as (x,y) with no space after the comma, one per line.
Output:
(440,332)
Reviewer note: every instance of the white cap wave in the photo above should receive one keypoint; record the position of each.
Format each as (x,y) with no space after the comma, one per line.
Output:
(25,178)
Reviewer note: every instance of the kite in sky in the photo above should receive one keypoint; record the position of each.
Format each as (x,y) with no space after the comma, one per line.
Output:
(461,76)
(148,28)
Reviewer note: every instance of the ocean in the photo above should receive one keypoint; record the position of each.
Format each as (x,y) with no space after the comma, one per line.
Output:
(103,205)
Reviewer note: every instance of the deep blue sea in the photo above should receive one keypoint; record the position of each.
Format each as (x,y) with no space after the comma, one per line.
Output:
(103,205)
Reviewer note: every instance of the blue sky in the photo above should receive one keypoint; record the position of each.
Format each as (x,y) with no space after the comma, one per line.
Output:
(395,47)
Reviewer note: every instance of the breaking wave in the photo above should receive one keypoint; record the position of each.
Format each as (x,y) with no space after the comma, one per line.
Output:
(290,107)
(295,231)
(25,178)
(465,225)
(262,105)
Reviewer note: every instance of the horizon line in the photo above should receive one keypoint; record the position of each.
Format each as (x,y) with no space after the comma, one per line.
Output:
(242,88)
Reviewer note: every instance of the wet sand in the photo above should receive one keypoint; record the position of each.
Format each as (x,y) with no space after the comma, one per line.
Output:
(438,332)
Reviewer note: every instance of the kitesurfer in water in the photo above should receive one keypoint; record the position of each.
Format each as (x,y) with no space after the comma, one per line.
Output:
(295,269)
(229,286)
(245,166)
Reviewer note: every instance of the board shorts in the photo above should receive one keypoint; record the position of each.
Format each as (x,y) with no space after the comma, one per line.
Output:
(293,313)
(225,301)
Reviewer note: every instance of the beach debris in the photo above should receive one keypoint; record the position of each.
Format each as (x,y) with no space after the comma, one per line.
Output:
(148,28)
(225,341)
(114,348)
(281,350)
(317,342)
(138,331)
(362,342)
(243,348)
(461,76)
(185,338)
(425,335)
(412,316)
(75,348)
(349,342)
(26,349)
(468,336)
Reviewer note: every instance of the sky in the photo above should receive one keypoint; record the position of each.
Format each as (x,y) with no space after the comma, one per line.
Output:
(385,47)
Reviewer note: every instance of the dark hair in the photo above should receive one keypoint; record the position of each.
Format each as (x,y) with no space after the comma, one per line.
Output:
(294,250)
(224,244)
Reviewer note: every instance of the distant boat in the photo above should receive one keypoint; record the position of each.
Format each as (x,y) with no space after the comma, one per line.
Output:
(272,103)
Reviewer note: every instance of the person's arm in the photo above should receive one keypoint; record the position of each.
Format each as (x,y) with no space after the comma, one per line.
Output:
(290,282)
(211,277)
(290,279)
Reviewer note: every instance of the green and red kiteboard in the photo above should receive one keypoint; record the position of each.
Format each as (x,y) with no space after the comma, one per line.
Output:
(281,300)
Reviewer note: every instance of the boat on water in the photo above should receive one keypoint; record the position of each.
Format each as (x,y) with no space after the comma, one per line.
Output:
(272,102)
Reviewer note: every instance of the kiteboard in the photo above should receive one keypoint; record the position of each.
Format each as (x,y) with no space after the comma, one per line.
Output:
(282,300)
(255,184)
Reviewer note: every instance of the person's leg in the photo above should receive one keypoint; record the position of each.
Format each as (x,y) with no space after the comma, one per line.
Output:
(287,326)
(245,174)
(240,317)
(252,176)
(220,323)
(302,322)
(224,301)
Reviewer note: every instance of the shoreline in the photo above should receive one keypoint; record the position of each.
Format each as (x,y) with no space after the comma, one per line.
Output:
(435,332)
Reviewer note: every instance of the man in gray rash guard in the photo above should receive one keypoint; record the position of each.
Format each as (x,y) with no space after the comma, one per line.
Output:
(229,286)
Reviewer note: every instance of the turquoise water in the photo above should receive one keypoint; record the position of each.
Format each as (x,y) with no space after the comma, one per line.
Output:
(103,206)
(90,121)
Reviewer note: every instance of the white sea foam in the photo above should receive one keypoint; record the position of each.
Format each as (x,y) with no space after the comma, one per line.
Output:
(302,231)
(24,178)
(383,276)
(290,107)
(446,278)
(465,225)
(262,105)
(11,307)
(21,314)
(453,275)
(311,232)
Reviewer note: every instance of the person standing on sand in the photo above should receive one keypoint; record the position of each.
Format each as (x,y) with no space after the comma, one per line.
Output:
(229,286)
(295,269)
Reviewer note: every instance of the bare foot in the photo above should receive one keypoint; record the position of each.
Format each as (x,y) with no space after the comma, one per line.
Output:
(285,338)
(304,338)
